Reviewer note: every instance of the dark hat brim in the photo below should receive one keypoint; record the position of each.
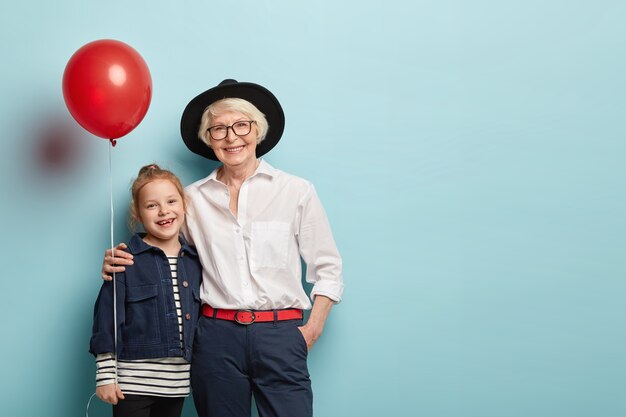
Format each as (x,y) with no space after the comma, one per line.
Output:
(261,97)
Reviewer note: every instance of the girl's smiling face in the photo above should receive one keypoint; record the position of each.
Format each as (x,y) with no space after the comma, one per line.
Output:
(162,212)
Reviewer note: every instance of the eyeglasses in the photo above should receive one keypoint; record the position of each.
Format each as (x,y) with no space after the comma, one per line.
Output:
(240,128)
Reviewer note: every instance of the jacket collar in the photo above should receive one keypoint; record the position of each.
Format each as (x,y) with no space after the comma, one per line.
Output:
(137,245)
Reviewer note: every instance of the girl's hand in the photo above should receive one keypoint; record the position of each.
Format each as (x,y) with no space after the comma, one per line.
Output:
(110,393)
(111,264)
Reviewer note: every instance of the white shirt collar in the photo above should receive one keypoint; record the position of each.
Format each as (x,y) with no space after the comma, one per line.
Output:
(263,169)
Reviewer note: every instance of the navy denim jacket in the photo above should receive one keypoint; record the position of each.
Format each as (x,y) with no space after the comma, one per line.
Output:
(146,313)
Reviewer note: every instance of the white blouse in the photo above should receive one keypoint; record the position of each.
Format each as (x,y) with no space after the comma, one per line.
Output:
(254,261)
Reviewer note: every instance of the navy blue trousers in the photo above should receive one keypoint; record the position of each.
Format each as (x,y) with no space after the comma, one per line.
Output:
(232,362)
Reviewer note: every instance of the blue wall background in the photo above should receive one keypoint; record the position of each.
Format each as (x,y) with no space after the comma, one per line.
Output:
(470,156)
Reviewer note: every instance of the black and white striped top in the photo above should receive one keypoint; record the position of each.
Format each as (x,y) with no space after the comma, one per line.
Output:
(164,377)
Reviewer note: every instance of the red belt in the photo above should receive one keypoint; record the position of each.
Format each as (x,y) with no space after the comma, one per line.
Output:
(250,316)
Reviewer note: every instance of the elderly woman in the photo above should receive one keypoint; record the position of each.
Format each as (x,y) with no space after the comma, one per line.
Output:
(252,224)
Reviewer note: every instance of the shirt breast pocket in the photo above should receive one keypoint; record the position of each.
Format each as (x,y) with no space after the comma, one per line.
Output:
(142,319)
(269,243)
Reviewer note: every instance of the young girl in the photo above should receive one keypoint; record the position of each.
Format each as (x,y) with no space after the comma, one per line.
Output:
(157,307)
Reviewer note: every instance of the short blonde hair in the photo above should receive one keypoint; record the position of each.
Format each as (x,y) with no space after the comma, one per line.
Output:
(232,104)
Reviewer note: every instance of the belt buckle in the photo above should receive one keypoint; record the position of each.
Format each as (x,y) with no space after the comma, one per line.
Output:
(245,322)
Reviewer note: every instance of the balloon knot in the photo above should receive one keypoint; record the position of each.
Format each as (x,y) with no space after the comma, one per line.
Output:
(113,142)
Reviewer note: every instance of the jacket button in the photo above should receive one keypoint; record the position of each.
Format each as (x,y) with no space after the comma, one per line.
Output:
(185,284)
(188,316)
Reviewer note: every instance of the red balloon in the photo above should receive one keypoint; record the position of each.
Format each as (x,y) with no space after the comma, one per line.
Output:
(107,88)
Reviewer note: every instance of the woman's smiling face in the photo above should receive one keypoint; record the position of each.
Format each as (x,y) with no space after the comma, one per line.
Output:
(234,150)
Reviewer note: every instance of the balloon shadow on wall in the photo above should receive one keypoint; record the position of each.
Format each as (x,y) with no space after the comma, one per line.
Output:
(56,151)
(60,147)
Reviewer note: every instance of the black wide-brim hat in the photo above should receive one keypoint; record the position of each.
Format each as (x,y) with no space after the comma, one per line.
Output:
(261,97)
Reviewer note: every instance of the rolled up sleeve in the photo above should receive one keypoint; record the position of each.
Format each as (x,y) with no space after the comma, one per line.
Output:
(318,249)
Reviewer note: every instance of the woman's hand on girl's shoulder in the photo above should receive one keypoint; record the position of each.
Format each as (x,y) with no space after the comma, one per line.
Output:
(111,264)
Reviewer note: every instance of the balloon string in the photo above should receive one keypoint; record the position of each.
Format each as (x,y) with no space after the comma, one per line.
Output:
(113,255)
(113,142)
(89,403)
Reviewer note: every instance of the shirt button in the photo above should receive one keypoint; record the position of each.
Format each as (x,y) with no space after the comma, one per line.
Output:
(187,316)
(237,230)
(185,284)
(245,284)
